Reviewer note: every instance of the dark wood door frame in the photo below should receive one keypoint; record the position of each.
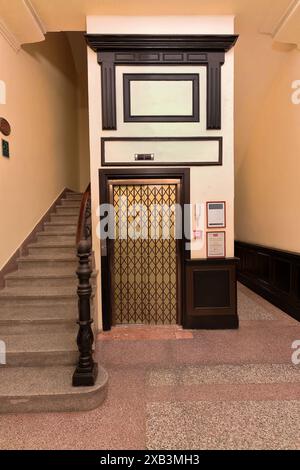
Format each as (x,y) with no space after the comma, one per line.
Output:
(106,175)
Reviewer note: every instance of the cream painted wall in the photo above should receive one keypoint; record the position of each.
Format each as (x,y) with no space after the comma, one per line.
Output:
(78,46)
(267,177)
(207,183)
(41,106)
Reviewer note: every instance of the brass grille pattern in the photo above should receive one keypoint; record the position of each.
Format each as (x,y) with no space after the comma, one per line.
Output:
(145,268)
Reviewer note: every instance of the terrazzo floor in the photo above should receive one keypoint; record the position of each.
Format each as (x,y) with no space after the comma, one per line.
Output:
(171,389)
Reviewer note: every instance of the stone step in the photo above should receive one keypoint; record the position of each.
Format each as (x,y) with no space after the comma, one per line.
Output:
(74,196)
(25,327)
(51,312)
(46,248)
(70,203)
(60,227)
(40,389)
(66,264)
(55,237)
(40,349)
(43,280)
(38,323)
(40,296)
(64,219)
(65,210)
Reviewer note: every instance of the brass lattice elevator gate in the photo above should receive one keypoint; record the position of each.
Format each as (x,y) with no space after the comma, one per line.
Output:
(145,261)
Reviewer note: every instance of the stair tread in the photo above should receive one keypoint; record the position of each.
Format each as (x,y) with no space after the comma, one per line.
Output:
(33,313)
(20,382)
(43,275)
(42,343)
(74,210)
(48,257)
(55,234)
(56,244)
(40,275)
(62,216)
(22,319)
(71,203)
(37,381)
(59,224)
(38,292)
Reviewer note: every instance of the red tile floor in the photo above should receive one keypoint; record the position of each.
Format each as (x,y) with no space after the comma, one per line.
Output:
(149,333)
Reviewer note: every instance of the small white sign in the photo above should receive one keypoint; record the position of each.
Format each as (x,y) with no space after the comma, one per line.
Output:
(216,214)
(2,92)
(216,245)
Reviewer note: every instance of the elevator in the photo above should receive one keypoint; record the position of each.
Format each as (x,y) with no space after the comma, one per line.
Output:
(145,272)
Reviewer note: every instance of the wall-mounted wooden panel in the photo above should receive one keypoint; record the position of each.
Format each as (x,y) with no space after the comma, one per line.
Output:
(211,296)
(273,274)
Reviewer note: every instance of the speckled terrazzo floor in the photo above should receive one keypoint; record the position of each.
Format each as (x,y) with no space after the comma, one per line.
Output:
(204,390)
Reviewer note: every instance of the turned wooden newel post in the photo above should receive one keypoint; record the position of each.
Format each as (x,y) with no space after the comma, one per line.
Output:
(87,370)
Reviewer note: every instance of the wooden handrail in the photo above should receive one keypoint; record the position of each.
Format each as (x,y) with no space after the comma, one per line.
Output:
(83,215)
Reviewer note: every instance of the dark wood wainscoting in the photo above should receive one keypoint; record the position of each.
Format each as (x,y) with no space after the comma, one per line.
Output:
(273,274)
(211,294)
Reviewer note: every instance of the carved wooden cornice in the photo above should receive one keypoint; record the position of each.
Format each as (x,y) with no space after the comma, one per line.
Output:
(121,42)
(141,49)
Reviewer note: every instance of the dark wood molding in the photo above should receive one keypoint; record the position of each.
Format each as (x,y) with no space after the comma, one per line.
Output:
(211,294)
(104,140)
(178,50)
(214,91)
(186,77)
(12,265)
(210,42)
(272,273)
(108,90)
(106,175)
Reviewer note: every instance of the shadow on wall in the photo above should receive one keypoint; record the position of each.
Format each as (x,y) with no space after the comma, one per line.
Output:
(45,52)
(76,73)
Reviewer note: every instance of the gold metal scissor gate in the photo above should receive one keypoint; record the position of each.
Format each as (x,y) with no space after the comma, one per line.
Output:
(144,263)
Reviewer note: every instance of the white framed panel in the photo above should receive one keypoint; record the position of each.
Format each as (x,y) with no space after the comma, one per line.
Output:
(193,151)
(171,98)
(161,97)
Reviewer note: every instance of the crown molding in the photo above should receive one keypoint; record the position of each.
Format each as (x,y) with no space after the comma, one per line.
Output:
(37,19)
(9,36)
(285,17)
(121,42)
(284,28)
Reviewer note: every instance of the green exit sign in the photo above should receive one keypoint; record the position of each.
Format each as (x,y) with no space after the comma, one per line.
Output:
(5,148)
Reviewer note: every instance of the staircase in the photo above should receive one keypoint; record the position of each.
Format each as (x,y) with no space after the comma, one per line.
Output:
(38,314)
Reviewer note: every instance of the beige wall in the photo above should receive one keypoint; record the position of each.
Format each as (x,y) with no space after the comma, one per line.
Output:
(42,109)
(207,183)
(78,46)
(267,174)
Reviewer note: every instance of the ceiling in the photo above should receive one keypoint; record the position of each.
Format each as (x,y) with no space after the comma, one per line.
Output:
(268,30)
(28,20)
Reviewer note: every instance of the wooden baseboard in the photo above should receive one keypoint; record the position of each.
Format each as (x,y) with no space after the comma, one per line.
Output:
(12,265)
(271,273)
